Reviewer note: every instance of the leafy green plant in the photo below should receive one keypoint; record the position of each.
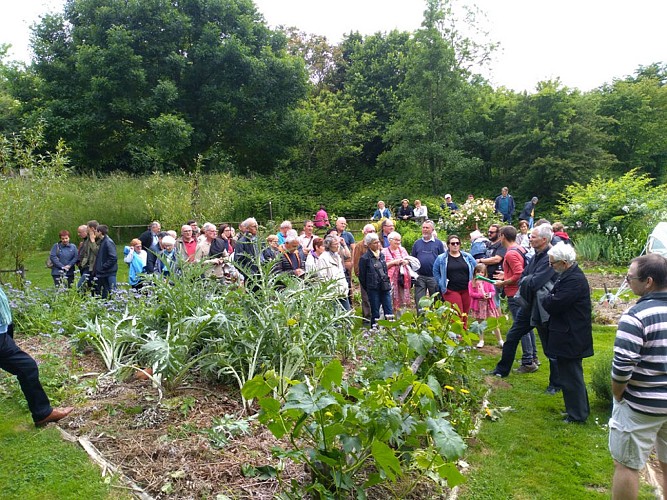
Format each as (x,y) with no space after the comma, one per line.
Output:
(601,376)
(350,438)
(112,340)
(627,203)
(590,247)
(224,429)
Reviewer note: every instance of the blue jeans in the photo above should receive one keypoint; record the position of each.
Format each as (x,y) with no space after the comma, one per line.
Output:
(528,345)
(85,279)
(379,298)
(105,285)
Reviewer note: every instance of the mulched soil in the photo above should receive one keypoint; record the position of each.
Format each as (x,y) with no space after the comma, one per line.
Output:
(158,445)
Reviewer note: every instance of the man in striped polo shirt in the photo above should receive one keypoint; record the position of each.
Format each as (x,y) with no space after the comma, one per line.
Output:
(639,378)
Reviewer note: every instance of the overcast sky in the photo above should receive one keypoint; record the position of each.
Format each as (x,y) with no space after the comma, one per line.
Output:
(584,42)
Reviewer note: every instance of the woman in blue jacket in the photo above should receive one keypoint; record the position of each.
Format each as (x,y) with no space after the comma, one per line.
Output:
(453,270)
(63,256)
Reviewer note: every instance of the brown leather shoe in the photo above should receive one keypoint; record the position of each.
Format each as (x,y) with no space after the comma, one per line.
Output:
(55,415)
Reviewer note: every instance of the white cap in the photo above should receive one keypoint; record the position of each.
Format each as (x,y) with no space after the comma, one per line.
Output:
(448,195)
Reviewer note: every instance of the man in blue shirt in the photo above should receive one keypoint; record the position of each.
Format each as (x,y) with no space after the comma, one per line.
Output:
(504,205)
(17,362)
(426,250)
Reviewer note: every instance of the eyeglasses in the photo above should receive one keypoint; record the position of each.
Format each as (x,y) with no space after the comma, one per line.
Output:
(493,232)
(455,243)
(630,278)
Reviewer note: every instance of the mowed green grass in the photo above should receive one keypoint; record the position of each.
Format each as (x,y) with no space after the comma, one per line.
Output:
(530,453)
(38,464)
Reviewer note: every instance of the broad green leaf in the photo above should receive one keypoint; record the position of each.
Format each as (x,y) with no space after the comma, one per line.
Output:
(299,397)
(451,473)
(420,342)
(434,385)
(258,386)
(448,443)
(332,374)
(421,389)
(386,459)
(269,405)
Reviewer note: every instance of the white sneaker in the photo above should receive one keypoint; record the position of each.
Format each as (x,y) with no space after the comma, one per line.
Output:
(480,344)
(501,344)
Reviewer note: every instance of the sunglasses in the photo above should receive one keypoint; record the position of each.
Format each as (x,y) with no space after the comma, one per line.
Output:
(455,243)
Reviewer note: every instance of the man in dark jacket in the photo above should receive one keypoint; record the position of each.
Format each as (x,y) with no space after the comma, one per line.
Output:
(246,254)
(106,263)
(536,277)
(151,244)
(570,329)
(528,212)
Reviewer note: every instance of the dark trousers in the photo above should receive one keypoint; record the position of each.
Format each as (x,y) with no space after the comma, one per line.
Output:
(521,327)
(575,396)
(17,362)
(365,304)
(528,345)
(424,284)
(379,298)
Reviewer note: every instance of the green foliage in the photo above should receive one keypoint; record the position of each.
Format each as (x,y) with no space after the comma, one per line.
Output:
(28,177)
(601,376)
(590,247)
(626,203)
(150,85)
(353,438)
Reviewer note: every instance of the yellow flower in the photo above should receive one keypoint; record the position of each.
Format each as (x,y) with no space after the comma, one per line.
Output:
(488,412)
(449,388)
(465,391)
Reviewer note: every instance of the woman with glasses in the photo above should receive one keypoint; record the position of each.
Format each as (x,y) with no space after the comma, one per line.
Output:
(453,270)
(570,330)
(397,267)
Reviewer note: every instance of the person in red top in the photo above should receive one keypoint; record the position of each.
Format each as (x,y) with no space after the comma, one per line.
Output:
(187,243)
(321,218)
(513,265)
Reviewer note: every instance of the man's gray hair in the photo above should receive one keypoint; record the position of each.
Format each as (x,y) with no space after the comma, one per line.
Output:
(368,227)
(291,237)
(544,231)
(155,224)
(249,221)
(291,233)
(186,227)
(208,226)
(370,238)
(341,219)
(429,222)
(286,224)
(563,252)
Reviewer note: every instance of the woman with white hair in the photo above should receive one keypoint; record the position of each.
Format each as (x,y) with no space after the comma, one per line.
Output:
(333,268)
(373,276)
(397,266)
(570,336)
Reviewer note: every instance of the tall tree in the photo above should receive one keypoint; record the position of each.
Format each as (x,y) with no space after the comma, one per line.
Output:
(146,84)
(547,140)
(426,136)
(637,112)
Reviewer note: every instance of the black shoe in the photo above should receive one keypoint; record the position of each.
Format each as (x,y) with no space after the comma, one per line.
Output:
(551,390)
(570,420)
(498,374)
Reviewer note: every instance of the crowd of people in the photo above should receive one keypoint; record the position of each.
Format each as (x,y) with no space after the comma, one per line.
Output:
(534,267)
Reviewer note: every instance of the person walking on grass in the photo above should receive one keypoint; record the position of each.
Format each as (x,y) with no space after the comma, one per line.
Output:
(638,420)
(482,306)
(21,364)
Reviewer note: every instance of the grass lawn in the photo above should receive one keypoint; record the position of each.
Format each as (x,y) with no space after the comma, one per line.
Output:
(529,452)
(38,464)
